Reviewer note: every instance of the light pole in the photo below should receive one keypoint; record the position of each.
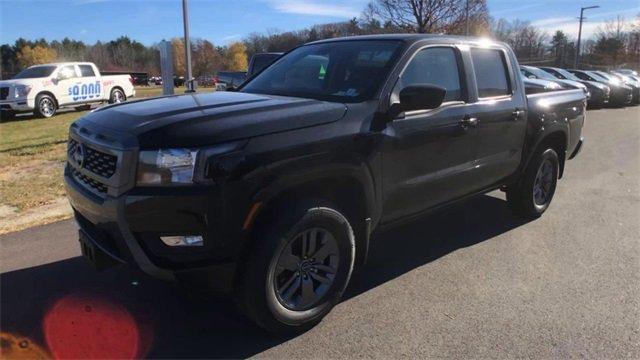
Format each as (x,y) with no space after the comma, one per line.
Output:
(187,46)
(467,19)
(580,33)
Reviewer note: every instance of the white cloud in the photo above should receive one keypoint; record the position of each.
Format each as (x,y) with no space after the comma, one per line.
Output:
(510,10)
(570,25)
(230,38)
(310,7)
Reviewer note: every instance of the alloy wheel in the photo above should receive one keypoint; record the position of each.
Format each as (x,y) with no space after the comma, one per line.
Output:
(47,107)
(306,268)
(118,97)
(543,183)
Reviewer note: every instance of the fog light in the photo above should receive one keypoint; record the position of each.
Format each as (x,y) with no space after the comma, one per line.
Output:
(187,240)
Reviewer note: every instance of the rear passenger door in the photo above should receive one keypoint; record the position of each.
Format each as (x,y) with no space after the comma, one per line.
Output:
(428,155)
(88,88)
(500,109)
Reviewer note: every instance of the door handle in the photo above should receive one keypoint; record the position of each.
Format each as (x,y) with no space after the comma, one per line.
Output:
(517,114)
(469,121)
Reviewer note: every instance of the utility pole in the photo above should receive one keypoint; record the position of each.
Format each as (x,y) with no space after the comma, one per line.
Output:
(187,47)
(467,19)
(581,18)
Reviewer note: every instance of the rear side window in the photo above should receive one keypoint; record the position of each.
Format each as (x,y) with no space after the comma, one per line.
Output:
(437,66)
(582,76)
(86,71)
(491,72)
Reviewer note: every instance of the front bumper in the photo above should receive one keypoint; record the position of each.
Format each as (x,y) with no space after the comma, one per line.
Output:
(127,229)
(17,105)
(578,148)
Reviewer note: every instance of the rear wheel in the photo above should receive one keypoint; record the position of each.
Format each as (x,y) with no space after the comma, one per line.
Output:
(117,96)
(298,269)
(45,107)
(531,197)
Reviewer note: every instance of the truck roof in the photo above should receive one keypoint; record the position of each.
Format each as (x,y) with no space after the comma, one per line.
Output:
(412,38)
(65,63)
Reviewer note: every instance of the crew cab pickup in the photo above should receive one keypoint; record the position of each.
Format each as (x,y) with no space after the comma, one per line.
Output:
(45,88)
(273,191)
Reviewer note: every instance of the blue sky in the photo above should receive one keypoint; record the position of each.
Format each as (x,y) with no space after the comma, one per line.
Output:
(224,21)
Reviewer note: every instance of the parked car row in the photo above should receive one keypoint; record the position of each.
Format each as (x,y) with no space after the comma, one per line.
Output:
(615,88)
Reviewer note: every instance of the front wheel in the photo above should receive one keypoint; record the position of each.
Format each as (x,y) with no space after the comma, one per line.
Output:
(46,106)
(298,269)
(117,96)
(533,194)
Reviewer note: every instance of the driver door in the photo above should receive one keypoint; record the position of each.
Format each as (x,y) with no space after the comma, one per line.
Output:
(428,155)
(68,85)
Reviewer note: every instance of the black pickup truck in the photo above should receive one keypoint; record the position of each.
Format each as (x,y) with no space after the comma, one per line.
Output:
(273,191)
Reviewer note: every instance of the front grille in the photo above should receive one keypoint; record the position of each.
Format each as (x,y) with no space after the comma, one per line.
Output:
(4,93)
(95,185)
(96,161)
(92,160)
(100,163)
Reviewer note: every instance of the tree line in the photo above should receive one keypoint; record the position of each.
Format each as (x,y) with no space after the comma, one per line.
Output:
(614,44)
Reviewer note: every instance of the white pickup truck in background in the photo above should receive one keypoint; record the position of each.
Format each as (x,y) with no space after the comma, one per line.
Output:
(45,88)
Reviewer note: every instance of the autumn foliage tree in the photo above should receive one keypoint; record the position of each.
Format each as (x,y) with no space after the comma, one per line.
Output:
(38,54)
(236,57)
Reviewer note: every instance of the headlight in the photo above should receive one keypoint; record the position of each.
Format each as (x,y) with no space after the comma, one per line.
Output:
(22,90)
(166,167)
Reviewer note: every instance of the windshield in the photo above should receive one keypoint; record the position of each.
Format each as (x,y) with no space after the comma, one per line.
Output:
(346,71)
(567,74)
(35,72)
(540,74)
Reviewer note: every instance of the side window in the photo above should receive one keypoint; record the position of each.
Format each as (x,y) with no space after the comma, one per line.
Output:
(437,66)
(67,72)
(582,76)
(86,71)
(491,72)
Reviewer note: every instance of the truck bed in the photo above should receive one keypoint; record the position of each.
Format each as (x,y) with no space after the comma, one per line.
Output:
(560,106)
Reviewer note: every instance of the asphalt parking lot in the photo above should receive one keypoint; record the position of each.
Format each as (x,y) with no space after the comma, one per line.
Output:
(471,281)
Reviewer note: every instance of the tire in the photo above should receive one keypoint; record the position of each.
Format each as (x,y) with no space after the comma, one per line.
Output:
(117,96)
(531,197)
(272,285)
(45,106)
(7,115)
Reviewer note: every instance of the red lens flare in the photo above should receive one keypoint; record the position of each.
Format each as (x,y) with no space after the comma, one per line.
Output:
(90,327)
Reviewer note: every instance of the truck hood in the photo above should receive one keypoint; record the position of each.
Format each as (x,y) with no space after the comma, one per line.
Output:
(194,120)
(14,82)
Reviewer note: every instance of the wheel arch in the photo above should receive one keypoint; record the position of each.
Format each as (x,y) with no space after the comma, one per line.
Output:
(556,139)
(118,87)
(49,93)
(352,192)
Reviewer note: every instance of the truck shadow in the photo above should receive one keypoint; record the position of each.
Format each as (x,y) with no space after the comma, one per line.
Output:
(177,324)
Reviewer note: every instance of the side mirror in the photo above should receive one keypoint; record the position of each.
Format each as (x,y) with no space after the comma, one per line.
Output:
(532,77)
(421,97)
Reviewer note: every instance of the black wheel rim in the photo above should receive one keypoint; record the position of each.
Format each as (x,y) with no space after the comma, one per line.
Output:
(306,268)
(543,183)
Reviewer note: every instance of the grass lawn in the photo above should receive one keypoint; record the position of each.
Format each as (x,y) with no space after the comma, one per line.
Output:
(32,156)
